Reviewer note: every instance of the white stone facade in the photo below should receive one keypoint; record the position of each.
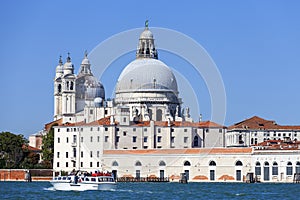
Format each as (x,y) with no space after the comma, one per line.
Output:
(143,132)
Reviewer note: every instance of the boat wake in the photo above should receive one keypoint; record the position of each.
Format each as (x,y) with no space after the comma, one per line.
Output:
(49,189)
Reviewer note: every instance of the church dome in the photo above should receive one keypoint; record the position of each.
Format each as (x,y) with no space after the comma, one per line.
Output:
(146,34)
(89,88)
(147,75)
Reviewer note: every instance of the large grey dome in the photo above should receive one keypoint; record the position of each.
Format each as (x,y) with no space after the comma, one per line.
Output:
(89,88)
(147,75)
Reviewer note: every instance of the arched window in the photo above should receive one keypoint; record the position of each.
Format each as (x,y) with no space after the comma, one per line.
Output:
(298,167)
(196,141)
(72,85)
(187,163)
(289,169)
(59,88)
(257,168)
(275,169)
(158,115)
(238,163)
(266,171)
(138,163)
(162,163)
(212,163)
(241,139)
(115,163)
(150,114)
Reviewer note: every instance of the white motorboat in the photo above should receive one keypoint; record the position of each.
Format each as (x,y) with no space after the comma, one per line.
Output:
(82,182)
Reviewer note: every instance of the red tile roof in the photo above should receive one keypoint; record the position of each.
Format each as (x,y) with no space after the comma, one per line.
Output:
(258,123)
(50,124)
(278,145)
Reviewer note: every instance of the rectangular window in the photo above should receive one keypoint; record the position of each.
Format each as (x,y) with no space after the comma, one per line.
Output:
(158,130)
(145,147)
(67,164)
(91,128)
(74,152)
(138,174)
(57,154)
(106,139)
(220,130)
(98,129)
(238,175)
(98,164)
(91,164)
(67,154)
(67,139)
(172,139)
(105,129)
(91,112)
(98,139)
(81,154)
(134,139)
(74,164)
(185,139)
(124,133)
(289,171)
(258,170)
(98,154)
(81,164)
(158,138)
(274,170)
(74,139)
(145,129)
(57,164)
(105,112)
(81,139)
(185,130)
(212,175)
(207,130)
(58,130)
(91,154)
(145,139)
(124,119)
(117,138)
(91,138)
(58,140)
(134,129)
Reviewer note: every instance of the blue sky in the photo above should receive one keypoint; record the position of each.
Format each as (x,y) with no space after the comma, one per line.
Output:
(255,45)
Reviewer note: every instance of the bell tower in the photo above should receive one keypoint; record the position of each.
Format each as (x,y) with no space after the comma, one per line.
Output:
(58,90)
(68,91)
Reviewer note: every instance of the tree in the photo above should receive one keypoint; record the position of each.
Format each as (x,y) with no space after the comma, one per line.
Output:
(48,147)
(11,151)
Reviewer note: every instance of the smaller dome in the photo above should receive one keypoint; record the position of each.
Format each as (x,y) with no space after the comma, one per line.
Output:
(146,34)
(85,60)
(68,65)
(59,69)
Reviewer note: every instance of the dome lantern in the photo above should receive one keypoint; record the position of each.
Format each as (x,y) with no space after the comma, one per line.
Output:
(146,47)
